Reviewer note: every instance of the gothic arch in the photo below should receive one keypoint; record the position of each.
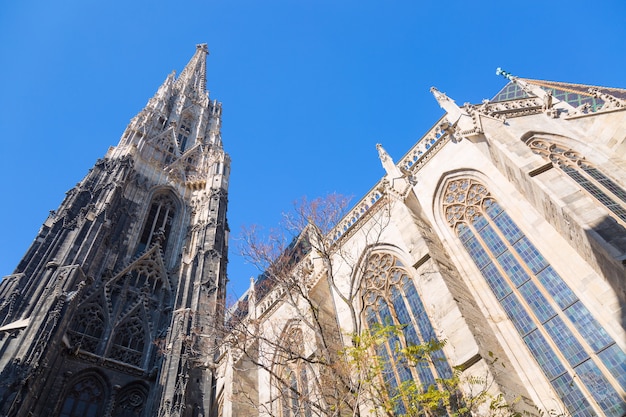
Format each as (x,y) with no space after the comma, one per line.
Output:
(391,297)
(89,325)
(161,221)
(85,395)
(572,349)
(139,302)
(291,381)
(131,401)
(591,171)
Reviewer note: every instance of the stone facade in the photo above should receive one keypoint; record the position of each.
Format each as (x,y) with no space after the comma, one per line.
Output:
(500,232)
(104,313)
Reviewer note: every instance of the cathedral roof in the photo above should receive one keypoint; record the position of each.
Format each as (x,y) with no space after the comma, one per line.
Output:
(573,94)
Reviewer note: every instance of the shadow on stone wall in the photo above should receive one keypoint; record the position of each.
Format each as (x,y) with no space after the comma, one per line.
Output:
(608,244)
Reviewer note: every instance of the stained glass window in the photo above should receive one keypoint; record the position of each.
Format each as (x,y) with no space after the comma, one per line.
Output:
(579,358)
(589,178)
(84,399)
(393,299)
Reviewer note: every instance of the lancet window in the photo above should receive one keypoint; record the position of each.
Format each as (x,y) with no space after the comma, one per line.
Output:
(293,381)
(86,398)
(129,341)
(586,175)
(392,299)
(183,134)
(158,223)
(580,359)
(87,327)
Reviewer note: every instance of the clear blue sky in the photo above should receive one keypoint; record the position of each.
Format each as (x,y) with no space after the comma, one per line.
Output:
(308,87)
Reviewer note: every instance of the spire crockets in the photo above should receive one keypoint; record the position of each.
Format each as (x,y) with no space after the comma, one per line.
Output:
(193,78)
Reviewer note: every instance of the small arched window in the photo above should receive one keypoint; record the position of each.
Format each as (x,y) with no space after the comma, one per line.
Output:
(158,224)
(85,398)
(584,365)
(131,401)
(586,175)
(391,298)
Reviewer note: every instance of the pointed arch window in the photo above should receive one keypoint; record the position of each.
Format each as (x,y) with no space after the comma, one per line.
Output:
(129,342)
(86,398)
(183,133)
(606,191)
(87,327)
(579,358)
(292,381)
(392,299)
(158,223)
(131,401)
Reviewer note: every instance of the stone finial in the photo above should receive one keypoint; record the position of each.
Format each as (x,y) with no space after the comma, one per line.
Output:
(390,167)
(458,119)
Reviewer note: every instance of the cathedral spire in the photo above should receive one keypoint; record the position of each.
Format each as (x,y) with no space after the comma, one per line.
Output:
(193,77)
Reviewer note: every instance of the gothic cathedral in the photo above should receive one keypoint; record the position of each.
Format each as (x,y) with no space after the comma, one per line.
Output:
(498,241)
(101,315)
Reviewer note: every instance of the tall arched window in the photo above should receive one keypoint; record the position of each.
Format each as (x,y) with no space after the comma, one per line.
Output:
(292,382)
(158,223)
(591,179)
(85,398)
(392,299)
(582,362)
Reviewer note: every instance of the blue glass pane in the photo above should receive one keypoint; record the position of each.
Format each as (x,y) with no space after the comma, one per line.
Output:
(608,399)
(464,232)
(588,327)
(615,360)
(538,303)
(565,341)
(385,314)
(492,240)
(425,375)
(530,255)
(510,230)
(388,375)
(572,397)
(477,252)
(555,286)
(513,269)
(441,364)
(518,315)
(498,284)
(404,318)
(605,181)
(492,208)
(417,308)
(479,222)
(543,353)
(370,317)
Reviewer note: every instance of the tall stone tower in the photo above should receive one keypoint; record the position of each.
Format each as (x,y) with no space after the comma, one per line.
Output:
(111,310)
